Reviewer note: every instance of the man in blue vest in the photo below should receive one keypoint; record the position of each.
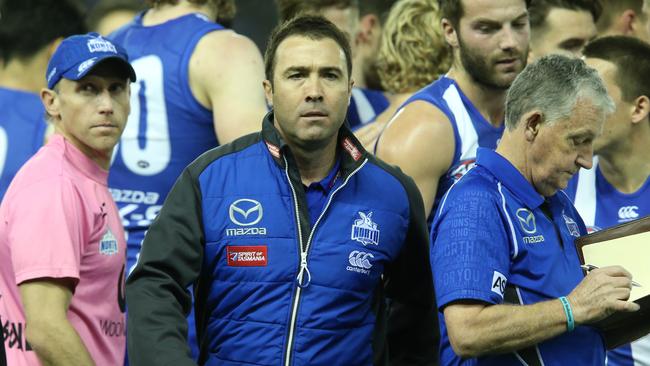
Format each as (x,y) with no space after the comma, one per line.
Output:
(293,237)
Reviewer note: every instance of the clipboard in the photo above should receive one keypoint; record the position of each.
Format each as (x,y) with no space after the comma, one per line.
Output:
(613,246)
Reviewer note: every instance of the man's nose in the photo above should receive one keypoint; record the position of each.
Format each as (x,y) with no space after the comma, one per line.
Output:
(314,92)
(508,40)
(585,157)
(105,102)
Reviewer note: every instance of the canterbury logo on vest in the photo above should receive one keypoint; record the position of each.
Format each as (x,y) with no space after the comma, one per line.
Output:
(359,262)
(627,213)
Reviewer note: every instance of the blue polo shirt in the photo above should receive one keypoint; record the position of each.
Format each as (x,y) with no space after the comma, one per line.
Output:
(317,192)
(494,243)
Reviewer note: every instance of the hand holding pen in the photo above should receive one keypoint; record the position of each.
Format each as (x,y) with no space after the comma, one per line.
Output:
(590,267)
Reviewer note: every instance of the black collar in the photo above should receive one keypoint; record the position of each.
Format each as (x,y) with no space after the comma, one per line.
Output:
(350,149)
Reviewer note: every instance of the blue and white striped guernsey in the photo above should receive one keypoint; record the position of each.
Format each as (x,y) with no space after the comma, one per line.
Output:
(167,128)
(365,106)
(471,129)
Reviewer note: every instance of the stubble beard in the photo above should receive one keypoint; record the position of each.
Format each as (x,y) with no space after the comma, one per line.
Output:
(480,71)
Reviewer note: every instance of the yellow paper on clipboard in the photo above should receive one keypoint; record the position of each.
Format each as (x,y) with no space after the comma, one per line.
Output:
(631,252)
(627,245)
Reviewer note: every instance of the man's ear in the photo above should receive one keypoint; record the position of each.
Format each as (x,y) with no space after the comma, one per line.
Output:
(268,92)
(532,123)
(451,36)
(51,102)
(641,109)
(369,29)
(628,21)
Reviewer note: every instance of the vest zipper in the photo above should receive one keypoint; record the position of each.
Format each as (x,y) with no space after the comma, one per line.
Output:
(303,255)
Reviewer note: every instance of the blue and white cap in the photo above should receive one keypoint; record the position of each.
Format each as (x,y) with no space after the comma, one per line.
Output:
(79,54)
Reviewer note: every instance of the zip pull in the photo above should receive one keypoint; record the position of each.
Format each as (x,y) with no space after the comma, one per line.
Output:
(303,269)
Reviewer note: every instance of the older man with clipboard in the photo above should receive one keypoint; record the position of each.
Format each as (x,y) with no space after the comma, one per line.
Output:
(508,281)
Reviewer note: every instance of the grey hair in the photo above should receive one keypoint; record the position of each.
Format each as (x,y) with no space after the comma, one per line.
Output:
(553,85)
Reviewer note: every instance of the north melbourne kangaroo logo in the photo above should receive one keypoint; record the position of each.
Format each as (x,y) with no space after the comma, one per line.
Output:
(101,45)
(108,244)
(364,230)
(571,225)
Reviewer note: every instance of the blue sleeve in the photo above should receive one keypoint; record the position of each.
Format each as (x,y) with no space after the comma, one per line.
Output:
(470,252)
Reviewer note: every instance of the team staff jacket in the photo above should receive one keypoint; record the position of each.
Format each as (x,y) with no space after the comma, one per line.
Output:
(269,288)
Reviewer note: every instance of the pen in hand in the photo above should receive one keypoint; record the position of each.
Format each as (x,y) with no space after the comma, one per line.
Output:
(590,267)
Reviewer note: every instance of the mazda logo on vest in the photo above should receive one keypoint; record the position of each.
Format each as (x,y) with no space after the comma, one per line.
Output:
(245,212)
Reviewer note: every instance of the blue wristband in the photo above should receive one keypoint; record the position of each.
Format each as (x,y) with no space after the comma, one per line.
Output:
(570,323)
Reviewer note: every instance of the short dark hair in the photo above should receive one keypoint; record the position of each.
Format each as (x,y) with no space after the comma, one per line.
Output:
(380,8)
(29,25)
(613,8)
(632,59)
(452,10)
(539,9)
(289,9)
(310,26)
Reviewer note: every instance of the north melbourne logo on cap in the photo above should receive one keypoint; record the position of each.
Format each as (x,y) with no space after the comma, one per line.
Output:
(101,45)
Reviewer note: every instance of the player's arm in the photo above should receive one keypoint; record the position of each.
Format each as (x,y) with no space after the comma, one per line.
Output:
(226,75)
(420,140)
(479,329)
(47,329)
(368,134)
